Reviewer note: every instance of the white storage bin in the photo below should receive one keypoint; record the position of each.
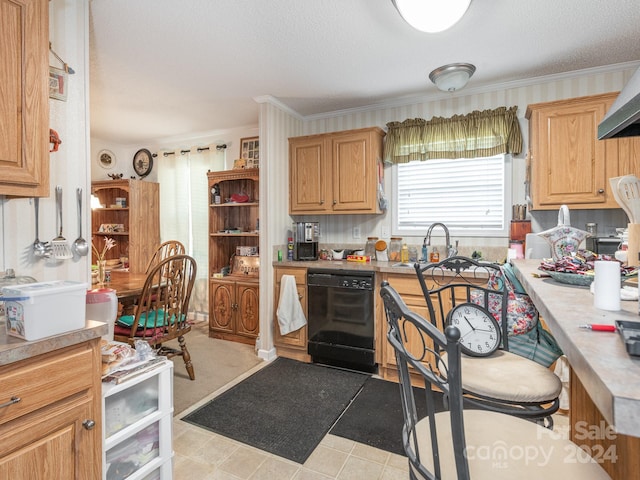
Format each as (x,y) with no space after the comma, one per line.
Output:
(38,310)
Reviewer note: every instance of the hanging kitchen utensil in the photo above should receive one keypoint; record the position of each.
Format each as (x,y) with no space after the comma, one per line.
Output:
(39,248)
(564,239)
(59,245)
(622,201)
(629,191)
(81,246)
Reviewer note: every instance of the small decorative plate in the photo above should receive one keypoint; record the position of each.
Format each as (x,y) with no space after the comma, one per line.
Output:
(106,159)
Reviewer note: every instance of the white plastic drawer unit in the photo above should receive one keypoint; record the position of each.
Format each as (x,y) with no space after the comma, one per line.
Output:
(137,426)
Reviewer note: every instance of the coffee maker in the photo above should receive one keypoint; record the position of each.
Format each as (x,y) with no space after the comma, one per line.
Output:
(305,240)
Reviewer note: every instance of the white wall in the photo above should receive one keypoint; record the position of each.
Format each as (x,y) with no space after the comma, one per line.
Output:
(124,153)
(68,32)
(277,124)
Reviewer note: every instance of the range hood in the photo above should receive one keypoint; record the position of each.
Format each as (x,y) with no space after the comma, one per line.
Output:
(623,118)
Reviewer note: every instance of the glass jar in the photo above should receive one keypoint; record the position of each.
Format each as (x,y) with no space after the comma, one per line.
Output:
(370,247)
(395,245)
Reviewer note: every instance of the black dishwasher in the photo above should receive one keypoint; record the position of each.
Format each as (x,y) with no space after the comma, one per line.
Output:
(341,318)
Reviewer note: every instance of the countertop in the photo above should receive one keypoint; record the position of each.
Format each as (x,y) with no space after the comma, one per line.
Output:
(13,349)
(599,359)
(374,265)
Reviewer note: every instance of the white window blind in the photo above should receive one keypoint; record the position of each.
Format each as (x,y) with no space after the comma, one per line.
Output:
(468,195)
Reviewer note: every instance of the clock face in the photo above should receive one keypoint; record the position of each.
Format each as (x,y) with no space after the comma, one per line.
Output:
(143,162)
(479,331)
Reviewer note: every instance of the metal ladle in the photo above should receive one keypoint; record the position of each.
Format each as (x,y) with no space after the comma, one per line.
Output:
(80,245)
(39,248)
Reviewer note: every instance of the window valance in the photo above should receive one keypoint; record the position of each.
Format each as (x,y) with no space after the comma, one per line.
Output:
(477,134)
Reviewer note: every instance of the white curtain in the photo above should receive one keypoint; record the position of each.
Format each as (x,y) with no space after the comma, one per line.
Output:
(184,204)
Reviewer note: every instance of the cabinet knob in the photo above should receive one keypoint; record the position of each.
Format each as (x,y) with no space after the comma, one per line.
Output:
(321,202)
(601,190)
(10,402)
(300,297)
(88,424)
(335,201)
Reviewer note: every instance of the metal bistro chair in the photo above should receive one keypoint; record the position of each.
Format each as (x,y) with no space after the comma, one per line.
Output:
(166,249)
(160,317)
(462,443)
(502,382)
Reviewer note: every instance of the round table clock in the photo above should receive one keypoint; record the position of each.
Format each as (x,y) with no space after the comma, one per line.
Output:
(480,333)
(143,162)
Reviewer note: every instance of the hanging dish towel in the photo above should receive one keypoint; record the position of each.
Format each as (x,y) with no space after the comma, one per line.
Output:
(290,314)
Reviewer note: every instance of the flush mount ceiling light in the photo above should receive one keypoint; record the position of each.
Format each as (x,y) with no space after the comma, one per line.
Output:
(452,77)
(431,16)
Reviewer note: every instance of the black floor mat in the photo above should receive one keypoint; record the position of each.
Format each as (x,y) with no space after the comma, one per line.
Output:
(286,408)
(375,416)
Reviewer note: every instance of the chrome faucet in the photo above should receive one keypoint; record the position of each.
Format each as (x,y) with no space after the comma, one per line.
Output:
(450,251)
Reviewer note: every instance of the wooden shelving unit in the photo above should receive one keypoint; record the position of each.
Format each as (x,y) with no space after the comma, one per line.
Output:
(234,299)
(140,218)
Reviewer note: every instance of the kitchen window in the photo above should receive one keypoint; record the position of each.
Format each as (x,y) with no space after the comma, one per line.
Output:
(470,196)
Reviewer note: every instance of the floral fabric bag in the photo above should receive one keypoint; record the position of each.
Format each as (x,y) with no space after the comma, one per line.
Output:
(534,343)
(522,315)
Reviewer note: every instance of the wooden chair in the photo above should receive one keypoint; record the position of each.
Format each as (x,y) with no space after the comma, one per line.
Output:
(160,313)
(502,382)
(166,249)
(465,443)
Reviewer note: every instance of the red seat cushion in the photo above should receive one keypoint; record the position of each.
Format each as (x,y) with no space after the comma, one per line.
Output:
(154,333)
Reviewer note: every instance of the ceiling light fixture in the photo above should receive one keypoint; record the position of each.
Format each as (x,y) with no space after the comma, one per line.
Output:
(431,16)
(452,77)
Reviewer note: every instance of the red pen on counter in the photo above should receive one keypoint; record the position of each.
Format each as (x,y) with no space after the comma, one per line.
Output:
(599,327)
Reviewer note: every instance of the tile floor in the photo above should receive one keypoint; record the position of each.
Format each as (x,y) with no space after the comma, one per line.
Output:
(203,455)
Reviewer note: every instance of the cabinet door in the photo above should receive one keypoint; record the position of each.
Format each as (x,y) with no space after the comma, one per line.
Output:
(353,172)
(628,156)
(308,181)
(569,165)
(52,442)
(409,289)
(24,103)
(247,309)
(222,300)
(298,338)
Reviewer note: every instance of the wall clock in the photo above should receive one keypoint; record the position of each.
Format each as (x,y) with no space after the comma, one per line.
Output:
(479,331)
(106,159)
(143,162)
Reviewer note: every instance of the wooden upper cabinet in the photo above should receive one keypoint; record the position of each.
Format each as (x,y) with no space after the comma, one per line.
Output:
(24,103)
(308,174)
(569,165)
(335,173)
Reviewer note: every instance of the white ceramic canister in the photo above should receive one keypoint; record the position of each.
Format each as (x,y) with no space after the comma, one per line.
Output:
(102,306)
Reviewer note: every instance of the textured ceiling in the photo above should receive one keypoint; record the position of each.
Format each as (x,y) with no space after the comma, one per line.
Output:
(171,68)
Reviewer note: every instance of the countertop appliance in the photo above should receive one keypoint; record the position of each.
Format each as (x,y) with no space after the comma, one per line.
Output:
(341,318)
(305,240)
(607,245)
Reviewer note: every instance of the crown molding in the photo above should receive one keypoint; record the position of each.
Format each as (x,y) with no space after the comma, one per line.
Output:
(411,100)
(282,106)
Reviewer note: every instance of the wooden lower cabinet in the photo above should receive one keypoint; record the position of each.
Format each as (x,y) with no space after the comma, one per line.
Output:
(294,344)
(618,454)
(234,310)
(54,430)
(409,289)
